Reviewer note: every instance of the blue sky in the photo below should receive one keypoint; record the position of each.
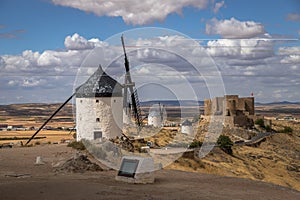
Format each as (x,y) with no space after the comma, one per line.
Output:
(43,25)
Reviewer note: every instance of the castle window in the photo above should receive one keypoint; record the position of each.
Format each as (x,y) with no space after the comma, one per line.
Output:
(97,119)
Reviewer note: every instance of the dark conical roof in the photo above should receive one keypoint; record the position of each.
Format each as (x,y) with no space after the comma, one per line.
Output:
(99,85)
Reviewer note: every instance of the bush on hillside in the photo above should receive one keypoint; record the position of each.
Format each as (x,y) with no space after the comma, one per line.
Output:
(287,129)
(195,144)
(260,122)
(77,145)
(225,144)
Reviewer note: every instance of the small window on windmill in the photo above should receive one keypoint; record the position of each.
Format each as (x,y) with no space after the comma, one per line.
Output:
(97,100)
(97,119)
(114,101)
(128,167)
(97,134)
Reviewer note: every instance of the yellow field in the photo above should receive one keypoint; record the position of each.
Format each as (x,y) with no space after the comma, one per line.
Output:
(51,136)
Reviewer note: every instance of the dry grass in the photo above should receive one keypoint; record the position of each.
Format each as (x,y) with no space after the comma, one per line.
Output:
(275,160)
(51,136)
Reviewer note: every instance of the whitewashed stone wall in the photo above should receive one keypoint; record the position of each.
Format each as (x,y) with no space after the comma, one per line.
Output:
(103,114)
(187,130)
(154,121)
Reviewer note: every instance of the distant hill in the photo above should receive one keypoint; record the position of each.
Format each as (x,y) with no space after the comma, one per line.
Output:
(34,109)
(278,103)
(43,109)
(173,103)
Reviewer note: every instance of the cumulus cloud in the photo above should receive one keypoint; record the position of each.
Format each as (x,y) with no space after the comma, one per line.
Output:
(293,17)
(33,70)
(218,6)
(135,12)
(243,48)
(77,42)
(27,82)
(291,59)
(48,58)
(234,28)
(245,64)
(293,50)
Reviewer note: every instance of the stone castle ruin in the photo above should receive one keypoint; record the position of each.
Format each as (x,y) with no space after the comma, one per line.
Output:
(236,111)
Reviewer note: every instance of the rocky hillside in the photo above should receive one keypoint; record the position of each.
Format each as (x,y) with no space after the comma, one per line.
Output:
(276,159)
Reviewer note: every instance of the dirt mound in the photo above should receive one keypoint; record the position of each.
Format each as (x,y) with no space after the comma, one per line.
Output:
(78,164)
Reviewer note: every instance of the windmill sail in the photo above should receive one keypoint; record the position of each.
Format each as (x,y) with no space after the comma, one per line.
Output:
(133,92)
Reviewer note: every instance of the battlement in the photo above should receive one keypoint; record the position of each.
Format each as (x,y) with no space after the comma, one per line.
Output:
(237,111)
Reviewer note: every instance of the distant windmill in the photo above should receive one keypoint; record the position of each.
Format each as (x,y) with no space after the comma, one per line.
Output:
(157,115)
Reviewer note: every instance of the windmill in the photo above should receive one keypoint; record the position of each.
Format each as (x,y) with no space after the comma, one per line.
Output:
(129,85)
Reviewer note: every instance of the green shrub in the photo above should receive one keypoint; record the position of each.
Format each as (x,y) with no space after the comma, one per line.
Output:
(77,145)
(287,129)
(195,144)
(260,122)
(225,144)
(268,128)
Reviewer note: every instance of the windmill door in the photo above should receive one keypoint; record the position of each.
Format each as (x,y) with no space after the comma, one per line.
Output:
(97,134)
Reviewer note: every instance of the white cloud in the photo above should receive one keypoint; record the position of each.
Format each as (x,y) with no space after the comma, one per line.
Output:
(294,50)
(27,82)
(48,59)
(243,48)
(291,55)
(246,64)
(218,6)
(234,28)
(294,67)
(77,42)
(134,12)
(293,17)
(291,59)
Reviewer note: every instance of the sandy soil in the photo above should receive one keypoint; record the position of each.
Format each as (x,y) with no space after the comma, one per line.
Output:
(41,182)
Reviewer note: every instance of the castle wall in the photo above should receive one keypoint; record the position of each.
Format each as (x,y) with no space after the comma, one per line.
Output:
(237,111)
(207,107)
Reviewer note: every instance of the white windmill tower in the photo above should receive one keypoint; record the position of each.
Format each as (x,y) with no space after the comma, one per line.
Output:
(157,115)
(99,107)
(187,127)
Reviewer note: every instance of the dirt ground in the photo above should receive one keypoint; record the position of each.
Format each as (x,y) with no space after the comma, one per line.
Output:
(20,178)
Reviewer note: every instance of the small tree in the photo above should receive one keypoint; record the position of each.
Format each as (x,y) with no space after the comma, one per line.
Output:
(225,144)
(287,129)
(260,122)
(76,145)
(268,128)
(195,144)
